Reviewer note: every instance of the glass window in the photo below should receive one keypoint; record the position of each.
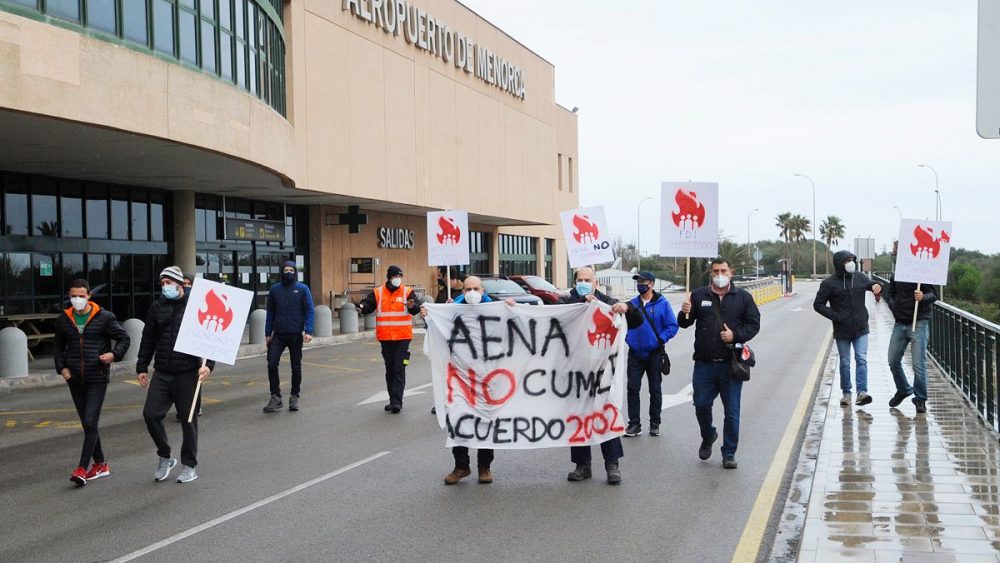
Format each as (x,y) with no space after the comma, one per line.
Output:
(15,204)
(208,46)
(134,22)
(44,215)
(121,286)
(188,4)
(97,211)
(208,9)
(241,68)
(72,269)
(101,15)
(18,274)
(254,70)
(140,220)
(97,275)
(188,36)
(163,26)
(29,3)
(156,216)
(226,55)
(66,9)
(239,19)
(225,14)
(71,209)
(46,275)
(142,276)
(119,214)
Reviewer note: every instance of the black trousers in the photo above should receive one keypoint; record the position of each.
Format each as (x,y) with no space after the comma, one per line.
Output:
(88,397)
(638,368)
(483,457)
(395,353)
(166,389)
(611,450)
(278,344)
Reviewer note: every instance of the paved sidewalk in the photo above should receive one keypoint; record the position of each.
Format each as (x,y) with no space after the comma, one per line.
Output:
(891,485)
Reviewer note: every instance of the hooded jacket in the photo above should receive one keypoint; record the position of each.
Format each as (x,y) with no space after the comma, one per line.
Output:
(163,325)
(81,352)
(841,298)
(899,296)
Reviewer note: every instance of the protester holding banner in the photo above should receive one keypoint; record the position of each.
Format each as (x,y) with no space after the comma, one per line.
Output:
(175,378)
(902,297)
(725,315)
(646,353)
(841,298)
(584,291)
(83,353)
(289,324)
(393,304)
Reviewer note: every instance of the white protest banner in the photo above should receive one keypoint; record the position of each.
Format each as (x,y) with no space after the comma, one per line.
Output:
(689,219)
(526,377)
(213,321)
(447,238)
(923,251)
(587,237)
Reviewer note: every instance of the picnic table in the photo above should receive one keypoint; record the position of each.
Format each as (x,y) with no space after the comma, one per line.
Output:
(30,325)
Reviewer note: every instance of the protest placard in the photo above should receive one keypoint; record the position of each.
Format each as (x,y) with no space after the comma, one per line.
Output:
(588,240)
(213,321)
(689,219)
(923,251)
(447,238)
(526,377)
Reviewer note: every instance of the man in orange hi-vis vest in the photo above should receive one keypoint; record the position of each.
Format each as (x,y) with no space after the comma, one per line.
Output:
(394,305)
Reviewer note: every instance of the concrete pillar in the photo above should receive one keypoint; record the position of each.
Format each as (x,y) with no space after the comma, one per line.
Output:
(348,318)
(324,321)
(370,322)
(257,318)
(184,231)
(134,329)
(13,353)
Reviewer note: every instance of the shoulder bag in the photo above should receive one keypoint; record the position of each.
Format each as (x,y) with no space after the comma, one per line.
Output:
(665,367)
(742,357)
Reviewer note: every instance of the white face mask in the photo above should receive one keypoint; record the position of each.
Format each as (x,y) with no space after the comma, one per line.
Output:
(473,298)
(79,303)
(851,267)
(396,282)
(720,281)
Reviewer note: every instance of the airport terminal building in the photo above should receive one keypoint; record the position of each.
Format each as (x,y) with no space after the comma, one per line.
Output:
(228,136)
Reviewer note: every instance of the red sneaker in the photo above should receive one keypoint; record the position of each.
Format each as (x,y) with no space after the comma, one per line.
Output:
(97,471)
(79,476)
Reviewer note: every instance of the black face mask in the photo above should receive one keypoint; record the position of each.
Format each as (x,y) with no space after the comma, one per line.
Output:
(287,277)
(642,288)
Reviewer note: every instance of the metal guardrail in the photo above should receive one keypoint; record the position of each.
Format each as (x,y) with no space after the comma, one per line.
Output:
(763,290)
(967,349)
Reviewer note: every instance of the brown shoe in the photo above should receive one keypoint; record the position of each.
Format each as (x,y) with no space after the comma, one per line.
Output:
(485,476)
(457,475)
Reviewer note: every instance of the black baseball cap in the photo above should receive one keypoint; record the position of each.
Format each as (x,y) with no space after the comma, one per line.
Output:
(648,276)
(394,271)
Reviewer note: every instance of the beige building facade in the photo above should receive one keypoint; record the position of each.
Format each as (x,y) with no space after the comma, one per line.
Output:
(236,134)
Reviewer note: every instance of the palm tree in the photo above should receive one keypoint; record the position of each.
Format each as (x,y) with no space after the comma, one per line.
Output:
(783,231)
(832,230)
(798,227)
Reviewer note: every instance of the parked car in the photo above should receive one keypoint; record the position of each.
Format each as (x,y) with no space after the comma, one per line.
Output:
(540,287)
(500,288)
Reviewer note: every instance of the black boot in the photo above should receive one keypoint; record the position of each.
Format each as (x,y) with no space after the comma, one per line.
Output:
(581,472)
(614,473)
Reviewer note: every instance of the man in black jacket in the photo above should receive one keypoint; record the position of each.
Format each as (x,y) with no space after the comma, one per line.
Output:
(713,352)
(585,291)
(841,298)
(902,298)
(175,378)
(83,354)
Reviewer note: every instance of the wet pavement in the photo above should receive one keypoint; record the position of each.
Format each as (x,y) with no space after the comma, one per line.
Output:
(891,485)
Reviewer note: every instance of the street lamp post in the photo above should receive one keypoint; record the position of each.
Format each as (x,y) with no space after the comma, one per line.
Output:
(811,183)
(748,235)
(937,192)
(638,233)
(896,207)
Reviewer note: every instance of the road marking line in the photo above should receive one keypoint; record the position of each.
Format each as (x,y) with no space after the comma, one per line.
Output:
(52,411)
(748,548)
(236,513)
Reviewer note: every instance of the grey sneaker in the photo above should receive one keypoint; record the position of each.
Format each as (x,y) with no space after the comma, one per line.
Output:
(274,404)
(164,468)
(293,403)
(845,401)
(863,399)
(188,475)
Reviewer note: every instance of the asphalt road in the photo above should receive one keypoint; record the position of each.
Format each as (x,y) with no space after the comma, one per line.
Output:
(671,506)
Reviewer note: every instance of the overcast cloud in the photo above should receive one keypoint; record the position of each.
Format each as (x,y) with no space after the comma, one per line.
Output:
(853,93)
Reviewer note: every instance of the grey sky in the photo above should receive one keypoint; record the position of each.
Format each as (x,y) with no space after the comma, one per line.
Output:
(853,93)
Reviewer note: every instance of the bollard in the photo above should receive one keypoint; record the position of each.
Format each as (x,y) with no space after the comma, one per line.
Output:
(370,322)
(348,318)
(13,353)
(134,329)
(323,325)
(257,318)
(245,339)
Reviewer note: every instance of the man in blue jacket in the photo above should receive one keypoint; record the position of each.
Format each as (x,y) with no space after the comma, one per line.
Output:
(289,324)
(646,353)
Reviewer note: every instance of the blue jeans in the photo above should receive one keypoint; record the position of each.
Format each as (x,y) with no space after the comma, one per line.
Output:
(902,334)
(650,367)
(712,379)
(860,345)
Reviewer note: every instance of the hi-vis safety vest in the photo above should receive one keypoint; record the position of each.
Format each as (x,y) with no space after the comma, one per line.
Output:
(392,320)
